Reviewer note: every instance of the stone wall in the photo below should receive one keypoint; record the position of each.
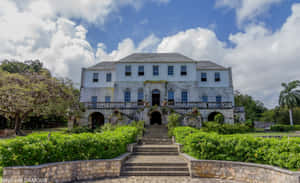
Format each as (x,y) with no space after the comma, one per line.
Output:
(65,171)
(244,172)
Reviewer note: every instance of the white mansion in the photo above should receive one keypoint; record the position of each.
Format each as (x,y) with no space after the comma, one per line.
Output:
(140,85)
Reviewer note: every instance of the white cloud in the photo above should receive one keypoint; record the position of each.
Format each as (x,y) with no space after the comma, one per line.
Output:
(127,47)
(42,29)
(247,9)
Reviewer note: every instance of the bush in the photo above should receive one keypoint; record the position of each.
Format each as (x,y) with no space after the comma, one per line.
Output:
(37,149)
(225,128)
(219,118)
(140,125)
(283,153)
(77,130)
(181,132)
(173,121)
(284,128)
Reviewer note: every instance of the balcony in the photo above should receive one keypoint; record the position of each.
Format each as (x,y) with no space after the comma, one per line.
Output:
(174,105)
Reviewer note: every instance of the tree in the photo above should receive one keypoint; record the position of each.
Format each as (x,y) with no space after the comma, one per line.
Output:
(290,97)
(37,93)
(253,108)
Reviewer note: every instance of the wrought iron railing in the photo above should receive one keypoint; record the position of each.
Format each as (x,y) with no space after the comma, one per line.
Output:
(175,105)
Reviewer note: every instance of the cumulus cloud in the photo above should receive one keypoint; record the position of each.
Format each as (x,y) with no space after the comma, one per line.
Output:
(261,59)
(127,47)
(43,29)
(247,10)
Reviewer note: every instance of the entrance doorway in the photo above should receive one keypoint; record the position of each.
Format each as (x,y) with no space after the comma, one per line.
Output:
(97,120)
(156,97)
(155,118)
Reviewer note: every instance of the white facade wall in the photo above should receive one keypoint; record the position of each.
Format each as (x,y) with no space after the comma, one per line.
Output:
(191,83)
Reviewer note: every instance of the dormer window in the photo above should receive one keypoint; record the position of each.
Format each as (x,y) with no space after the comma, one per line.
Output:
(128,70)
(203,77)
(217,77)
(95,77)
(183,70)
(141,70)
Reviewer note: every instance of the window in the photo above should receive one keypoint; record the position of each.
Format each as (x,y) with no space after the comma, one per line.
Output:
(141,70)
(107,99)
(183,70)
(155,70)
(94,101)
(108,77)
(171,97)
(127,70)
(204,98)
(127,96)
(95,77)
(203,77)
(140,96)
(217,77)
(170,70)
(218,99)
(184,96)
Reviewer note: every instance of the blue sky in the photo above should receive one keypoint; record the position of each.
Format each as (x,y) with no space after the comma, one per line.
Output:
(259,39)
(178,15)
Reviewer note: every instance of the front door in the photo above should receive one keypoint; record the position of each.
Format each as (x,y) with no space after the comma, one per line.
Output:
(156,97)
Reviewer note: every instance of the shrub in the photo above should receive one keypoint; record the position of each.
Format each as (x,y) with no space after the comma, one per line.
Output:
(37,149)
(284,153)
(77,130)
(284,128)
(173,121)
(140,125)
(219,118)
(225,128)
(181,132)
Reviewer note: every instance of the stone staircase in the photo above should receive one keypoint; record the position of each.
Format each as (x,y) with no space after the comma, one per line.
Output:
(156,156)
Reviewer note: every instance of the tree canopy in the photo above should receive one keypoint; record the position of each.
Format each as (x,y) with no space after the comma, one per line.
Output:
(253,108)
(27,88)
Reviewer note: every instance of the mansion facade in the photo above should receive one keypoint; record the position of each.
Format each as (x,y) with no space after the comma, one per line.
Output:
(140,85)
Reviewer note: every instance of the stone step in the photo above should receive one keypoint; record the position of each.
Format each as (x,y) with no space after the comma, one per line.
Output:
(156,164)
(155,153)
(153,168)
(155,173)
(157,149)
(155,142)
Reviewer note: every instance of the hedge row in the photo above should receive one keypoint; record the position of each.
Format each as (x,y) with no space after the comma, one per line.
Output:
(225,128)
(284,128)
(284,153)
(38,149)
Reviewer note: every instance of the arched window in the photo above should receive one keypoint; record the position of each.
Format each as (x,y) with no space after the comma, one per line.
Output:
(127,96)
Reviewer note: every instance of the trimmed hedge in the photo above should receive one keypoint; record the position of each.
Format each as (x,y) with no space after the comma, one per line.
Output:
(284,153)
(38,149)
(225,128)
(284,128)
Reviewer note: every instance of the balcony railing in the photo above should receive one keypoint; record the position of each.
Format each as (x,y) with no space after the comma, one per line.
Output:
(175,105)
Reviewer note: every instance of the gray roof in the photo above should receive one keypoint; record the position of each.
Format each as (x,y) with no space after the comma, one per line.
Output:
(208,65)
(103,66)
(156,57)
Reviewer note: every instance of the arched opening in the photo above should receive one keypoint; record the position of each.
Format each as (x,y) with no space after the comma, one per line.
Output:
(212,117)
(156,97)
(97,120)
(3,122)
(155,118)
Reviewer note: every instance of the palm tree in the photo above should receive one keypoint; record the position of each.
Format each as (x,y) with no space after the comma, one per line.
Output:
(290,97)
